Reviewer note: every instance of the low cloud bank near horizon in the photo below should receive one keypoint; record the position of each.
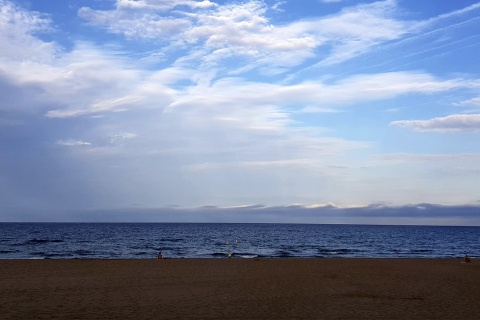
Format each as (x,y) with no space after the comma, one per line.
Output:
(375,214)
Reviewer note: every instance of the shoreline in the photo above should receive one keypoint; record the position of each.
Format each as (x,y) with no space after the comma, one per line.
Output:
(252,288)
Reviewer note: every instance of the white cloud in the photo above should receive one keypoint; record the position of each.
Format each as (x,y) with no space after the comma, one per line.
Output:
(452,123)
(137,25)
(115,104)
(83,81)
(244,30)
(384,86)
(163,5)
(18,29)
(144,19)
(357,30)
(421,25)
(278,5)
(73,143)
(475,102)
(360,88)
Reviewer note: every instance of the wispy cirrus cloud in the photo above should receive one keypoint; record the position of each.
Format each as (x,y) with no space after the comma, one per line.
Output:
(245,30)
(453,14)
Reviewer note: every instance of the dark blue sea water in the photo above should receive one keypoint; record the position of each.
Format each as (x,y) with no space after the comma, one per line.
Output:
(195,240)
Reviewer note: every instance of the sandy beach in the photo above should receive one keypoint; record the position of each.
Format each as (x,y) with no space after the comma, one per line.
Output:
(240,289)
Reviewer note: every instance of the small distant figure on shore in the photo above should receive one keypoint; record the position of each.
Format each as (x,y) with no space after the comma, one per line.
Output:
(160,256)
(467,259)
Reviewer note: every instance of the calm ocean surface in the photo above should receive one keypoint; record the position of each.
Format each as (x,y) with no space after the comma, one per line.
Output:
(197,240)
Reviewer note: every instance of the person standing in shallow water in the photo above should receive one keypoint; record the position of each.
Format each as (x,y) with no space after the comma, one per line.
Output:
(160,256)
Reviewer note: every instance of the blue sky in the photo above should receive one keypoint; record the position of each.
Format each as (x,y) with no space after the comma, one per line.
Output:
(135,106)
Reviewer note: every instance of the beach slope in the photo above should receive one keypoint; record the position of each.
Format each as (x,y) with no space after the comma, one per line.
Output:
(240,289)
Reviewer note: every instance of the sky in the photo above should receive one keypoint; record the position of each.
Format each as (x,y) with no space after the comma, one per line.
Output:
(312,111)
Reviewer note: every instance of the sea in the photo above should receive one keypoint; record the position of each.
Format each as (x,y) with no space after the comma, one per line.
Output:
(222,240)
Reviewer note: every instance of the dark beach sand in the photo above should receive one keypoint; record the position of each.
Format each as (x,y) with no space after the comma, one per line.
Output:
(240,289)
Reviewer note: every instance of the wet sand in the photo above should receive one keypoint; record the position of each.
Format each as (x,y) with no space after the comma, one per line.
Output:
(240,289)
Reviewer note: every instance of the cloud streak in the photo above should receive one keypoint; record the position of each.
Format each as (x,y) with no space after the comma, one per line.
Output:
(452,123)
